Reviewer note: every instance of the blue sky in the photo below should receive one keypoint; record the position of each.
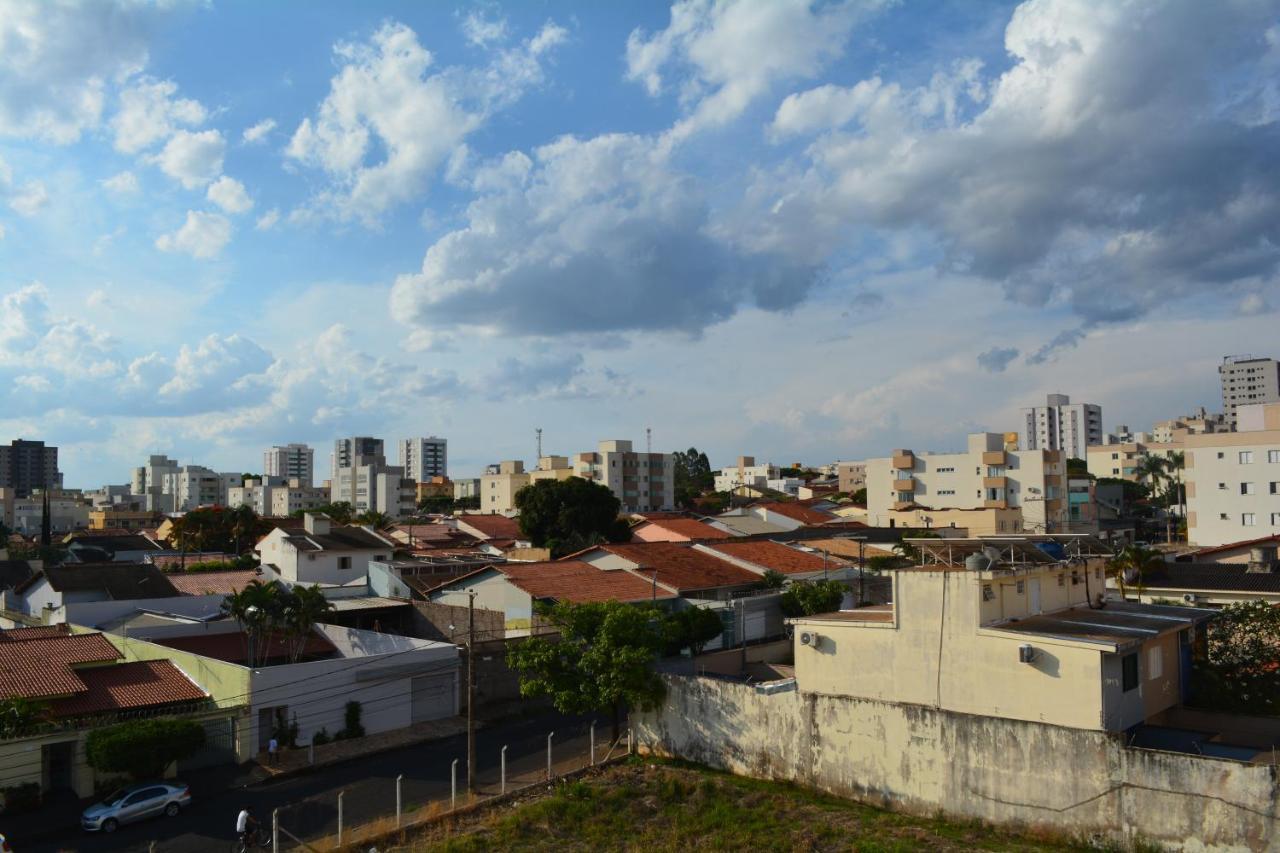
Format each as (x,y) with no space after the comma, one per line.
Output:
(799,230)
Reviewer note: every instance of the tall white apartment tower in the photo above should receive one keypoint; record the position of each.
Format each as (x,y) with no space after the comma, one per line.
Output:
(424,458)
(290,461)
(1063,425)
(1247,380)
(345,451)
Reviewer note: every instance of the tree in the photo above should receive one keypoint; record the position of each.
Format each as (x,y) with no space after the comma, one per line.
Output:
(604,659)
(1078,469)
(1131,564)
(805,598)
(693,476)
(143,748)
(1176,464)
(438,504)
(860,497)
(569,515)
(304,606)
(1154,469)
(218,529)
(340,512)
(773,579)
(19,717)
(692,628)
(373,518)
(1239,675)
(266,611)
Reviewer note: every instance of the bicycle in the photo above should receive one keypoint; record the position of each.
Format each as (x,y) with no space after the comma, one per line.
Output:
(254,839)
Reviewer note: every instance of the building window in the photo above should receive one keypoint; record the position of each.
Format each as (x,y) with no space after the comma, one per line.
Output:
(1129,672)
(1222,516)
(1246,488)
(1273,455)
(1275,487)
(1222,487)
(1246,457)
(1075,578)
(987,592)
(1248,519)
(1275,519)
(1021,587)
(344,562)
(1062,580)
(1155,663)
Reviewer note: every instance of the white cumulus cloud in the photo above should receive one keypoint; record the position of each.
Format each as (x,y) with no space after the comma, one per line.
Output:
(230,195)
(268,220)
(29,198)
(203,235)
(259,131)
(122,183)
(193,159)
(149,112)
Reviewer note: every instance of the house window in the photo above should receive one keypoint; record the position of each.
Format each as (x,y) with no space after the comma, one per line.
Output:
(1222,516)
(1275,487)
(987,592)
(1155,663)
(1246,488)
(1129,672)
(1275,519)
(1021,586)
(1062,580)
(1075,578)
(1246,457)
(1222,487)
(1248,519)
(344,562)
(1273,455)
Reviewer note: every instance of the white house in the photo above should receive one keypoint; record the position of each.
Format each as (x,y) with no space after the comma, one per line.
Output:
(323,552)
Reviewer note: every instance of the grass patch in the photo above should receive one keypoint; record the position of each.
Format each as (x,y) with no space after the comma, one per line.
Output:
(648,805)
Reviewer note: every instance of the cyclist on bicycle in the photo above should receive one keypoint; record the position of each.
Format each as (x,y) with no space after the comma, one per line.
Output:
(246,826)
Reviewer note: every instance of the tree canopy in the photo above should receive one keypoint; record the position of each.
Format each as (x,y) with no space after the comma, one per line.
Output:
(603,660)
(219,528)
(859,497)
(693,476)
(569,515)
(692,628)
(1240,674)
(143,748)
(272,611)
(341,512)
(805,598)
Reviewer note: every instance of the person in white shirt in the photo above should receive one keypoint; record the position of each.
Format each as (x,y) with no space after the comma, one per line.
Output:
(245,823)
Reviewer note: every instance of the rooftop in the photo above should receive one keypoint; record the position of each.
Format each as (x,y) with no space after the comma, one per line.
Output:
(213,583)
(128,685)
(36,663)
(339,538)
(1117,624)
(492,526)
(118,581)
(234,647)
(798,512)
(680,567)
(689,527)
(776,556)
(1220,577)
(572,580)
(1233,546)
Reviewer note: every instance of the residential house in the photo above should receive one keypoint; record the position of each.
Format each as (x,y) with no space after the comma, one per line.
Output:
(677,530)
(690,572)
(82,681)
(999,628)
(761,556)
(118,518)
(641,481)
(322,552)
(1205,584)
(987,474)
(488,528)
(48,592)
(108,547)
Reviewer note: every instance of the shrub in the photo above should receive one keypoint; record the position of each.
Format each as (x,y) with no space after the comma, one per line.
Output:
(321,737)
(20,798)
(143,748)
(805,598)
(351,717)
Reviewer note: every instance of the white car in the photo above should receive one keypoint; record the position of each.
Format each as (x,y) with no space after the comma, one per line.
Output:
(137,802)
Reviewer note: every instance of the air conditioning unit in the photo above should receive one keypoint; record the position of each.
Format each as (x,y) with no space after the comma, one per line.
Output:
(1026,654)
(808,638)
(1189,598)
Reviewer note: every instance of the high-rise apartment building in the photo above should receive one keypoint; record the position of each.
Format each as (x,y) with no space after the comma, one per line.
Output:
(290,462)
(1233,480)
(29,465)
(644,482)
(1247,380)
(345,451)
(1062,425)
(424,458)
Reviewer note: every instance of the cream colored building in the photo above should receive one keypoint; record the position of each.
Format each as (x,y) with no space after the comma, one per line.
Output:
(1233,483)
(979,521)
(1015,639)
(643,482)
(1121,461)
(746,473)
(852,476)
(499,485)
(986,475)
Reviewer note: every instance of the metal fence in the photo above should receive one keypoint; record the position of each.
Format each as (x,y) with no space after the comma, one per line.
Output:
(383,803)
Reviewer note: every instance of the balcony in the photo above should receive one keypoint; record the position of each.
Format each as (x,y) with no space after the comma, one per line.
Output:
(905,485)
(995,457)
(904,460)
(995,482)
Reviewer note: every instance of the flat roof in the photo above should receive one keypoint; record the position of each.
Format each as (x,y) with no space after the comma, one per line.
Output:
(372,602)
(1117,624)
(871,613)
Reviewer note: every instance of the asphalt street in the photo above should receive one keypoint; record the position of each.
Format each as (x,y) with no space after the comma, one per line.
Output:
(308,802)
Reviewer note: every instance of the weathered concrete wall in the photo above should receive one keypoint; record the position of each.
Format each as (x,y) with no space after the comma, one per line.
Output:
(923,760)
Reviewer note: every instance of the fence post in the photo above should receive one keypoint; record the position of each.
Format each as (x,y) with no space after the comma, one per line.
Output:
(593,743)
(275,829)
(453,796)
(549,737)
(399,779)
(504,770)
(340,795)
(628,741)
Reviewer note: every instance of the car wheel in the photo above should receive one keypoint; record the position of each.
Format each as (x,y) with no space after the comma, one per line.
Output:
(109,825)
(172,809)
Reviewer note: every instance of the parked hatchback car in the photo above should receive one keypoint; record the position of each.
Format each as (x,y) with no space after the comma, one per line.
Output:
(137,802)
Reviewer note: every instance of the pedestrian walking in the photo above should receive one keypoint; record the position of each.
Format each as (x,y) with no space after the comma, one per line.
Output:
(273,751)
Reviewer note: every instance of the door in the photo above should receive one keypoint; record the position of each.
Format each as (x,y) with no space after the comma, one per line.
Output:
(1033,596)
(59,762)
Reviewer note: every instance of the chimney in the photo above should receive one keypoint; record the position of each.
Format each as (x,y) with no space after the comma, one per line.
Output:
(1262,559)
(316,523)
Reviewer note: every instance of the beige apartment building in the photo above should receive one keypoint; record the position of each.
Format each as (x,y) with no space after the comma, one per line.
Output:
(1019,637)
(1233,480)
(1121,461)
(851,476)
(644,482)
(986,475)
(499,484)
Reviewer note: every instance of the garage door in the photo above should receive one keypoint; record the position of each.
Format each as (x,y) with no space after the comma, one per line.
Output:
(433,697)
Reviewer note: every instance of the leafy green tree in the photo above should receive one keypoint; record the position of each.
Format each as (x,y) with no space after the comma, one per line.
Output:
(1239,675)
(1132,564)
(143,748)
(692,628)
(373,518)
(603,660)
(270,611)
(859,497)
(1078,469)
(773,580)
(439,504)
(19,717)
(219,529)
(693,476)
(569,515)
(805,598)
(340,512)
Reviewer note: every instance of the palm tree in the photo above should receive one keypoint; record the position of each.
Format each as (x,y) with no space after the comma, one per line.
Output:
(259,610)
(306,605)
(1131,564)
(1177,461)
(1154,469)
(373,518)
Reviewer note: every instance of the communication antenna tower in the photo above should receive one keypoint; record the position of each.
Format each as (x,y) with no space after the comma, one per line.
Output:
(648,439)
(538,431)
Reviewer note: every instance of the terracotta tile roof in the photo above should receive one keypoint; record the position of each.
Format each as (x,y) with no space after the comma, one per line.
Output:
(1225,577)
(680,567)
(213,583)
(798,512)
(128,685)
(36,665)
(233,648)
(571,580)
(1232,546)
(691,528)
(492,526)
(776,556)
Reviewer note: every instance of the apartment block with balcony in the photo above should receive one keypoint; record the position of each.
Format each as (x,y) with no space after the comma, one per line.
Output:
(290,462)
(424,458)
(1233,482)
(851,476)
(500,482)
(1121,461)
(29,465)
(643,482)
(1063,425)
(369,484)
(984,475)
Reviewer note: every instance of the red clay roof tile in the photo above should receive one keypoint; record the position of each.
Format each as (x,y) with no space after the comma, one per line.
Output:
(776,556)
(571,580)
(681,567)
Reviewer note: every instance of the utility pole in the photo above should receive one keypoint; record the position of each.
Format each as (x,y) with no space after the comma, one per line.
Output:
(471,693)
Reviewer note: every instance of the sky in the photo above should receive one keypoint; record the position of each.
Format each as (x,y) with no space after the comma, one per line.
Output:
(800,230)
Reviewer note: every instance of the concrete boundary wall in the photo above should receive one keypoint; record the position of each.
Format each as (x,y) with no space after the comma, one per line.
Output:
(922,760)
